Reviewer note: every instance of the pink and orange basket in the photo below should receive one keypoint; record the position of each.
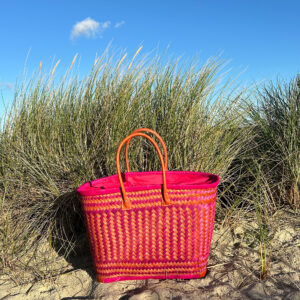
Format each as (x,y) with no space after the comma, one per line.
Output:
(144,225)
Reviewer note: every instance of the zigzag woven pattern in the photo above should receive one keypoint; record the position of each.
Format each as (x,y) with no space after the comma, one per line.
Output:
(150,240)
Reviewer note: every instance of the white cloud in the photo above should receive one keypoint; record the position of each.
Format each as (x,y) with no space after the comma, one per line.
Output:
(105,25)
(89,28)
(119,24)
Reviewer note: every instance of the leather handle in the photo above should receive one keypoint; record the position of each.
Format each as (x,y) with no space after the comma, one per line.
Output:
(126,201)
(159,138)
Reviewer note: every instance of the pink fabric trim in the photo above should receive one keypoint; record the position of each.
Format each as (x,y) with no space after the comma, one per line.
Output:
(139,181)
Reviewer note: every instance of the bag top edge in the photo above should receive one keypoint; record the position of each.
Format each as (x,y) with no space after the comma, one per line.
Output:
(137,181)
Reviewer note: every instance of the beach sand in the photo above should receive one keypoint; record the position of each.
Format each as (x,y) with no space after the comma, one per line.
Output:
(234,271)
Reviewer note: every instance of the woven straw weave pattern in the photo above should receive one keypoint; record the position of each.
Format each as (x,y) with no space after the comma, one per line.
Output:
(150,239)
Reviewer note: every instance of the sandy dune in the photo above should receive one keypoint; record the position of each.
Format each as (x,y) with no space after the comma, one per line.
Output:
(233,271)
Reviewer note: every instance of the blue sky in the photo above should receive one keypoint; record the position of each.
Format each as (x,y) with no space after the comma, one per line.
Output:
(261,36)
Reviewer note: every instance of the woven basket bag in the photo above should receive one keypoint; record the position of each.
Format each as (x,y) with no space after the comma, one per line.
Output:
(144,225)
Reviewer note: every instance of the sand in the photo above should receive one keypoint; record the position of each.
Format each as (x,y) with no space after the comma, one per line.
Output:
(234,271)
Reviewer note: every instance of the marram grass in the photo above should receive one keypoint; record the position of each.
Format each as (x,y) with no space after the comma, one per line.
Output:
(61,133)
(276,146)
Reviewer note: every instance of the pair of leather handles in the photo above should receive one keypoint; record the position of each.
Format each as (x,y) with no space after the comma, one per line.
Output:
(164,163)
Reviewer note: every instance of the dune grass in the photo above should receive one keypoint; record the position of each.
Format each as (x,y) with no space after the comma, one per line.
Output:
(270,161)
(276,118)
(61,132)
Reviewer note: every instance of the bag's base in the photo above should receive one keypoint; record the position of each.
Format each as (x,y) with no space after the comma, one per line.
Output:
(106,279)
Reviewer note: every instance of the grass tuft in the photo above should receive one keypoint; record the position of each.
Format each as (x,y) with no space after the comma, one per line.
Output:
(62,132)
